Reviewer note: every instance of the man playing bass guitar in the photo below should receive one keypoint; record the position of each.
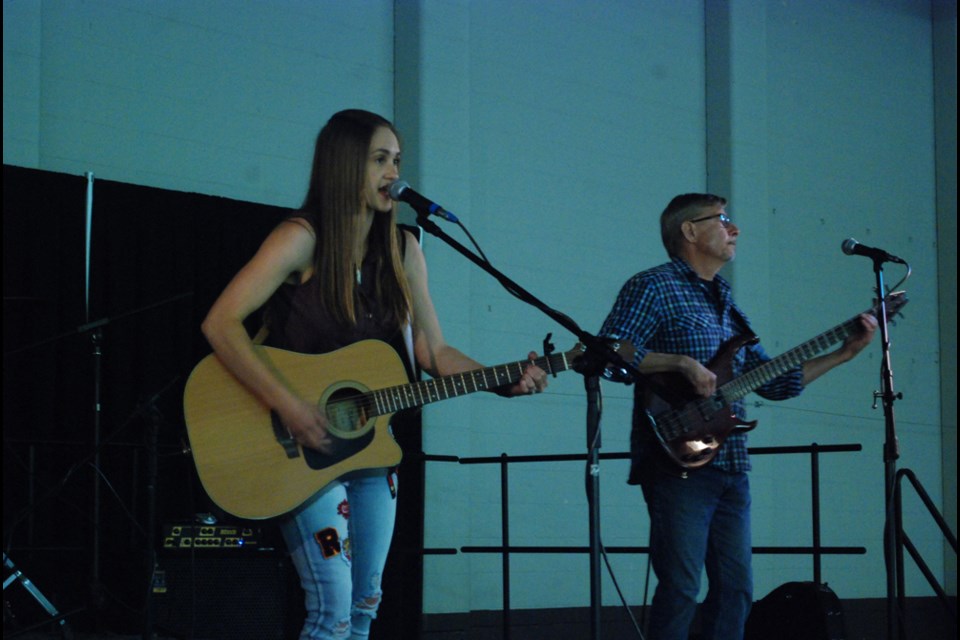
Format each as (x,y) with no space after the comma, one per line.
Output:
(679,315)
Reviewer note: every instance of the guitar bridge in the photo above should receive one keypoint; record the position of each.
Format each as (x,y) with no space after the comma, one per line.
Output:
(283,437)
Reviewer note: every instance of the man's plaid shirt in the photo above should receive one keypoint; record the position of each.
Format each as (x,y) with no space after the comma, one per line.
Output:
(669,309)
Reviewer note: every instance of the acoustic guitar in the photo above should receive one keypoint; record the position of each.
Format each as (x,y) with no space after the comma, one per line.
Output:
(252,468)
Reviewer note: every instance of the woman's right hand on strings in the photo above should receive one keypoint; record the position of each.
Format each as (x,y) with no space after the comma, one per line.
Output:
(307,424)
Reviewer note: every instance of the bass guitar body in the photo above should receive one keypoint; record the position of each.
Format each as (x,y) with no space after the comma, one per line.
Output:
(690,429)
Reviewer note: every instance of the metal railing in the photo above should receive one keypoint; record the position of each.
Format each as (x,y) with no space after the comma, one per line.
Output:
(817,550)
(903,542)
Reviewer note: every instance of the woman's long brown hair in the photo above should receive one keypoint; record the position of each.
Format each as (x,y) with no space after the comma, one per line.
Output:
(333,198)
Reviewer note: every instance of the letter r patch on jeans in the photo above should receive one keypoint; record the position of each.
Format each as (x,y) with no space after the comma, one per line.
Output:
(329,541)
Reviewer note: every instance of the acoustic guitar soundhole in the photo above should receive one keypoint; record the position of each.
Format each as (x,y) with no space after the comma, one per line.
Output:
(346,416)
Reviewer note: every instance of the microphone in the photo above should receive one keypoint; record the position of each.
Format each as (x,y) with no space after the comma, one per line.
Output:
(852,247)
(401,192)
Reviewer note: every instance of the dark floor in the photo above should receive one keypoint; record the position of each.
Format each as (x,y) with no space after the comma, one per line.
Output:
(863,620)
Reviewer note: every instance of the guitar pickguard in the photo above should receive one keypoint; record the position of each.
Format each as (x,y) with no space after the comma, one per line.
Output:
(342,450)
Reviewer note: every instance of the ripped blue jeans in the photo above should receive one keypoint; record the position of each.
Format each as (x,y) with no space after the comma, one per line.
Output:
(338,542)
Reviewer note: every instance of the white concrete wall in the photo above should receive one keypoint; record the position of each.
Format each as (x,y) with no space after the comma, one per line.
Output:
(216,97)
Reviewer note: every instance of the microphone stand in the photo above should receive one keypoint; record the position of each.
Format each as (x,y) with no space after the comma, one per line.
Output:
(597,354)
(96,595)
(891,452)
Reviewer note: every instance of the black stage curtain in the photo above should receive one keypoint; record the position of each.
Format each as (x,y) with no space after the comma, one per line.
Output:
(157,260)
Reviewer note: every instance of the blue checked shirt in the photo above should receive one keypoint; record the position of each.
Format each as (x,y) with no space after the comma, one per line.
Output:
(669,309)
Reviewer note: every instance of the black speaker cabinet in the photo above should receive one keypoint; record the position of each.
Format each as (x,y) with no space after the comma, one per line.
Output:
(227,596)
(797,611)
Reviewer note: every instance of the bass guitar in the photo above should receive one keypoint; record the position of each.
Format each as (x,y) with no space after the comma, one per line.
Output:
(690,429)
(250,465)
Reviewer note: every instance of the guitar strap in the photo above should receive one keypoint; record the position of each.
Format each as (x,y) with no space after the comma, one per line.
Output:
(408,327)
(408,343)
(744,325)
(712,289)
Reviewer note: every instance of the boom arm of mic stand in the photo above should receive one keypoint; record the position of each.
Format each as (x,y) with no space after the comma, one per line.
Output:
(598,351)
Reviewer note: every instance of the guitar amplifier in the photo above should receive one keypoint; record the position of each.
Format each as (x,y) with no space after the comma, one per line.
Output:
(253,595)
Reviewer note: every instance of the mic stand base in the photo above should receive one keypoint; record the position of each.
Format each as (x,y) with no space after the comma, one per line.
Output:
(55,616)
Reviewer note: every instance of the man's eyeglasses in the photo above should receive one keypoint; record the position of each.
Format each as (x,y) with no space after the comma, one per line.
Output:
(724,219)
